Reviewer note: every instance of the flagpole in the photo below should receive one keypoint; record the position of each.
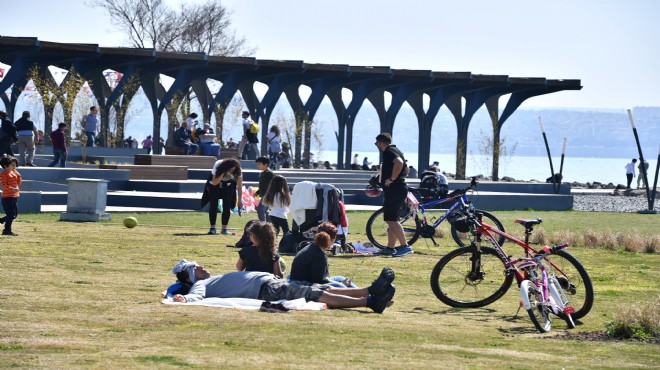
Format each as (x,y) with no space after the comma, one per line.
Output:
(641,158)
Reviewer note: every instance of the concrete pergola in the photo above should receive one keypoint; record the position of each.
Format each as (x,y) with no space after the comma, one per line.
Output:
(238,74)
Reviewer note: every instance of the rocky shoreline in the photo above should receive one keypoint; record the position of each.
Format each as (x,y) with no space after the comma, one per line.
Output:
(619,199)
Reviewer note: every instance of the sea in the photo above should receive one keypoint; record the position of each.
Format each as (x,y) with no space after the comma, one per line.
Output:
(582,170)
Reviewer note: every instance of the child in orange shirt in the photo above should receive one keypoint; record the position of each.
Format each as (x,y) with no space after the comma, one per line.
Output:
(10,180)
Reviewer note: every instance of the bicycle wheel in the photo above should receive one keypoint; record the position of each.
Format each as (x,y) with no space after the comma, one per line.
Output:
(539,310)
(574,280)
(457,283)
(377,227)
(465,239)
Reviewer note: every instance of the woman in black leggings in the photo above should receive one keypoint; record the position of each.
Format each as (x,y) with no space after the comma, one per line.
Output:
(225,178)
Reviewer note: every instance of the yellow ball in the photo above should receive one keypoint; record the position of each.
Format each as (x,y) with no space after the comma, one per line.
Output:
(130,222)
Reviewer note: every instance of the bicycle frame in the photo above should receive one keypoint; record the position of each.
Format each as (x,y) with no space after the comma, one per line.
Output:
(483,229)
(464,201)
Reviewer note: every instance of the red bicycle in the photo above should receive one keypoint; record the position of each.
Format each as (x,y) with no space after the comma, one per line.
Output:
(477,275)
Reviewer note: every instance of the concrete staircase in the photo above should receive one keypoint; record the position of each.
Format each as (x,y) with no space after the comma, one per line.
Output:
(47,186)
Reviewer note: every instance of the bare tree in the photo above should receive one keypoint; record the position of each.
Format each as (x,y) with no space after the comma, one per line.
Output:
(202,27)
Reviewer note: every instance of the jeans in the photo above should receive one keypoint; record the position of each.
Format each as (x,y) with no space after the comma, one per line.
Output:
(280,223)
(60,156)
(11,210)
(262,210)
(189,148)
(25,149)
(91,137)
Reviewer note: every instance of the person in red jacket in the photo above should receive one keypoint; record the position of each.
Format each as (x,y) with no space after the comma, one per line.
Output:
(59,145)
(11,180)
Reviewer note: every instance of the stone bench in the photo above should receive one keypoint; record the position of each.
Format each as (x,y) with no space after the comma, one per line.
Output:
(190,161)
(151,172)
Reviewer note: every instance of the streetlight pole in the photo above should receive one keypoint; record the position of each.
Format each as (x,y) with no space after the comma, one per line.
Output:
(547,148)
(641,159)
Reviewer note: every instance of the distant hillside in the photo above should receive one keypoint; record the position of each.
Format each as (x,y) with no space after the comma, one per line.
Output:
(589,133)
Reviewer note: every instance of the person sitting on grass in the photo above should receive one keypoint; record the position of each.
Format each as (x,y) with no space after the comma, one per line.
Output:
(267,287)
(261,255)
(310,266)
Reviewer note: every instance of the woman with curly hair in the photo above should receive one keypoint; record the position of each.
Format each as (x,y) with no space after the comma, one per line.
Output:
(278,199)
(262,255)
(225,180)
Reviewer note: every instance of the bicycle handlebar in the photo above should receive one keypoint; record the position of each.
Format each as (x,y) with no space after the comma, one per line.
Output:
(459,192)
(548,251)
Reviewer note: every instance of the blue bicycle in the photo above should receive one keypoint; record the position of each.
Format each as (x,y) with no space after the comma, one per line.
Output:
(416,224)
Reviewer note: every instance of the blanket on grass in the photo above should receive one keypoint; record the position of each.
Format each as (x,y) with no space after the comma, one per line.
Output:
(251,304)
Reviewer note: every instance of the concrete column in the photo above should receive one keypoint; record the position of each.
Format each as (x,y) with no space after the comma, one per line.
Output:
(86,200)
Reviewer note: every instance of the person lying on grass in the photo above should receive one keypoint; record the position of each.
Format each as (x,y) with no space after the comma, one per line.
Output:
(266,287)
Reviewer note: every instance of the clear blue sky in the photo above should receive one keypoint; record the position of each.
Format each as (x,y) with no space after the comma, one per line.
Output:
(612,46)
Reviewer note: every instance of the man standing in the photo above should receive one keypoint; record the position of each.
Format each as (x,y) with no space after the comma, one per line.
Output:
(183,138)
(90,124)
(58,140)
(246,129)
(643,170)
(630,172)
(393,172)
(7,135)
(26,132)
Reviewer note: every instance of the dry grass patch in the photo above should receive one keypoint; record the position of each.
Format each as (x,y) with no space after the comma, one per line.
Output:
(652,244)
(631,241)
(638,321)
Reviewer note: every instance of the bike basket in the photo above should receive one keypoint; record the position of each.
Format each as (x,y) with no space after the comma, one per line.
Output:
(459,221)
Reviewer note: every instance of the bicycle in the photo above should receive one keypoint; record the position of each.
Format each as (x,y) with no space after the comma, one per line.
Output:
(415,225)
(471,277)
(541,292)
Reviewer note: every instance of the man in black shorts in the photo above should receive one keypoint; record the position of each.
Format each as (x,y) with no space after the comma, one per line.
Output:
(265,286)
(393,172)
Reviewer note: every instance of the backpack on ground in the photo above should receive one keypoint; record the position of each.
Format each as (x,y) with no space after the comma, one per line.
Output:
(254,127)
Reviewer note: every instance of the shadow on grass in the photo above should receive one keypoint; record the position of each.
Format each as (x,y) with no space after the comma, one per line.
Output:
(191,234)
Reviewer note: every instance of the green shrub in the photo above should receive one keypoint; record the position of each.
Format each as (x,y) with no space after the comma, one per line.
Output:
(637,321)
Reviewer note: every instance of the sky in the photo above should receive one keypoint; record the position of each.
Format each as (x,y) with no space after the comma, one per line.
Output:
(613,47)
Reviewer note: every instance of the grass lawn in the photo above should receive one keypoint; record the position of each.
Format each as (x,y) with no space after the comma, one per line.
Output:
(87,295)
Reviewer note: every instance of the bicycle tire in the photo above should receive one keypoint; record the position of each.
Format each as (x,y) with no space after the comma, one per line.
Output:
(454,283)
(465,239)
(539,310)
(377,227)
(575,281)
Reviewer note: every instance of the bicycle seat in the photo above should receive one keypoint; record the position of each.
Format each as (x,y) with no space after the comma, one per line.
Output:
(529,223)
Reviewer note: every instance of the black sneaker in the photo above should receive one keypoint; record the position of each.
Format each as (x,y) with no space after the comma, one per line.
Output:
(382,284)
(378,303)
(10,233)
(273,307)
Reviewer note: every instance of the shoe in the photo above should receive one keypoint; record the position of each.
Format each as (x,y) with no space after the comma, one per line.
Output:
(382,284)
(211,232)
(378,303)
(31,165)
(402,251)
(385,252)
(273,307)
(10,233)
(227,232)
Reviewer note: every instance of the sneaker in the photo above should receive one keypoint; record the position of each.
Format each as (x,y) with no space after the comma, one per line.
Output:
(227,232)
(211,232)
(273,307)
(402,251)
(379,302)
(382,284)
(385,252)
(10,233)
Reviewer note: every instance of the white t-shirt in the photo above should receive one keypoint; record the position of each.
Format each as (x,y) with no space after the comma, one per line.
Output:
(278,209)
(630,168)
(356,160)
(246,124)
